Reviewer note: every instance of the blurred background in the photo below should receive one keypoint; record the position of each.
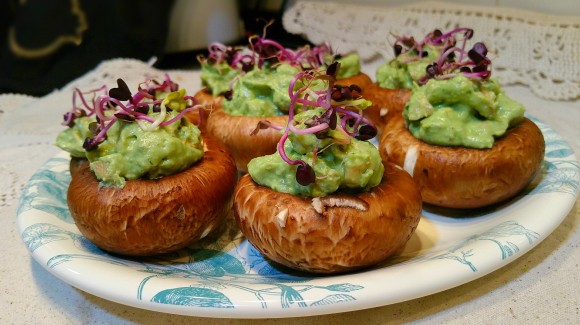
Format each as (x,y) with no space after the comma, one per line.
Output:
(46,44)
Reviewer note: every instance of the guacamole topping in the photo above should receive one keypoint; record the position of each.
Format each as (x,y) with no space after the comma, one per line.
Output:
(349,66)
(264,92)
(129,152)
(147,137)
(323,148)
(407,68)
(414,60)
(217,78)
(71,140)
(454,101)
(261,92)
(461,112)
(254,80)
(355,165)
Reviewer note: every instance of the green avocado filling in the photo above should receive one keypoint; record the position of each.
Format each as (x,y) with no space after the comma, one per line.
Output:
(351,166)
(405,69)
(349,66)
(217,77)
(261,92)
(137,149)
(131,153)
(71,139)
(461,112)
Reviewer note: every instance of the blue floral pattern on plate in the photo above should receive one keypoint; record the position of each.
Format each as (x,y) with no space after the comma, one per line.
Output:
(229,273)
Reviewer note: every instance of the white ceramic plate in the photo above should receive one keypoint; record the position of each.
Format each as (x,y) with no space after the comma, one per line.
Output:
(229,278)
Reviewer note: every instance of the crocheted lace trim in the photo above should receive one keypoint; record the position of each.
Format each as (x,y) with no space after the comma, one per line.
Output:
(538,50)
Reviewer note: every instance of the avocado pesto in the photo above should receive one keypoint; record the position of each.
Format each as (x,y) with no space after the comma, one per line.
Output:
(217,77)
(355,165)
(264,92)
(406,68)
(460,112)
(71,139)
(453,102)
(146,138)
(131,153)
(323,147)
(254,80)
(261,92)
(349,66)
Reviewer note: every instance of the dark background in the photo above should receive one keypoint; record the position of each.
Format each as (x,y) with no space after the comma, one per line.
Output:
(115,28)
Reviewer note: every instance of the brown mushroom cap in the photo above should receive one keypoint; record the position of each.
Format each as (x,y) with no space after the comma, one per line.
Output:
(234,133)
(76,163)
(331,234)
(458,177)
(386,103)
(148,217)
(361,79)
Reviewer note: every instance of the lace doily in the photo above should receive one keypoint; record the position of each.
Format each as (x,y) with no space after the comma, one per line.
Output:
(538,50)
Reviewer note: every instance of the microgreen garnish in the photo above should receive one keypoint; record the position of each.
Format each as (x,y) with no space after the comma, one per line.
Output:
(305,174)
(454,57)
(235,57)
(272,52)
(122,91)
(119,104)
(261,51)
(262,125)
(341,118)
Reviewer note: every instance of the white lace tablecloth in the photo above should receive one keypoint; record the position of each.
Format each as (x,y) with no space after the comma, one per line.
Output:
(539,287)
(538,50)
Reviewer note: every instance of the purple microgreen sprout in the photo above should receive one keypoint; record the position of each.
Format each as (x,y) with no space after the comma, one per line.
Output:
(235,57)
(261,50)
(122,91)
(119,104)
(454,57)
(342,117)
(81,111)
(305,57)
(262,125)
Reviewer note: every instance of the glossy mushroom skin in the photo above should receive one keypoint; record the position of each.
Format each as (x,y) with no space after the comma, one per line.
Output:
(332,234)
(361,79)
(75,164)
(149,217)
(386,103)
(235,133)
(458,177)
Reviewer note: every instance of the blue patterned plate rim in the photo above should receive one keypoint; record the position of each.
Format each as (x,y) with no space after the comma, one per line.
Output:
(228,278)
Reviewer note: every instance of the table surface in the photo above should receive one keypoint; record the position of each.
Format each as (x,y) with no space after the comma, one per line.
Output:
(542,286)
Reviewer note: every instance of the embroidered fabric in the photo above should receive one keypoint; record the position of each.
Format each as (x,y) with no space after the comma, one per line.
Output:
(538,50)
